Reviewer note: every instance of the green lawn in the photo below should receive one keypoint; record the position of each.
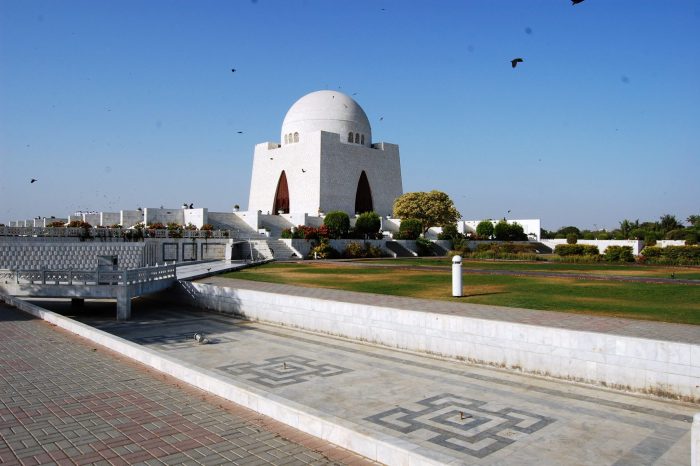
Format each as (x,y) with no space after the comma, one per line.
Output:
(662,302)
(632,270)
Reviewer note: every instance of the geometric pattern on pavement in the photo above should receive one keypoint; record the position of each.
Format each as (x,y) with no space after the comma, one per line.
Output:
(178,341)
(463,424)
(283,370)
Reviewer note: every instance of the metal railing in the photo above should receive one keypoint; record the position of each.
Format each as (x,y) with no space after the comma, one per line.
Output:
(89,277)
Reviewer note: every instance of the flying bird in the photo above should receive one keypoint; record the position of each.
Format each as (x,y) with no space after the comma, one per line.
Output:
(33,180)
(514,62)
(576,2)
(381,118)
(239,132)
(303,171)
(233,70)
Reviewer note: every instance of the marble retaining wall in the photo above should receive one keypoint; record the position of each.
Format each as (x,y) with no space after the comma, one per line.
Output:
(662,368)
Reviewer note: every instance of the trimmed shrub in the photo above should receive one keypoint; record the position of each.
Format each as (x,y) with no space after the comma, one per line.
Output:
(79,224)
(671,255)
(368,224)
(619,254)
(449,232)
(576,250)
(356,250)
(571,238)
(338,224)
(323,250)
(410,228)
(485,229)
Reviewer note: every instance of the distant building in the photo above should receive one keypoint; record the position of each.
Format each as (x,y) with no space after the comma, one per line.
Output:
(325,161)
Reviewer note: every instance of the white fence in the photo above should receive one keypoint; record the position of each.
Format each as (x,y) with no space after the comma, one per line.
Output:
(89,277)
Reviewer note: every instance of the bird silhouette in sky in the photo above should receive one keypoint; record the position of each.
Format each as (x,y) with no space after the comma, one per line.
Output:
(303,171)
(381,118)
(576,2)
(33,180)
(514,62)
(233,70)
(239,132)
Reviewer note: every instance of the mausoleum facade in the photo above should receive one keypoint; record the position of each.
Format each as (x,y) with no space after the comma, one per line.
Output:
(326,161)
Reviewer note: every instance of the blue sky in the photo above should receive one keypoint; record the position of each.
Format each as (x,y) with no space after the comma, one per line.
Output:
(117,104)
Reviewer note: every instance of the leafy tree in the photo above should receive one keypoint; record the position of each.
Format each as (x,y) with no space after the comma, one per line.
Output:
(368,224)
(694,220)
(432,208)
(546,234)
(571,238)
(564,231)
(450,232)
(338,224)
(626,227)
(504,231)
(410,228)
(669,222)
(485,229)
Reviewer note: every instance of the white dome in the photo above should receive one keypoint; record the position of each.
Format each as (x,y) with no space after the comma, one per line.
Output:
(329,111)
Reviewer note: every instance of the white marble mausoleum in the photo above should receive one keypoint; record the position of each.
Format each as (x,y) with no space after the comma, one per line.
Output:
(325,161)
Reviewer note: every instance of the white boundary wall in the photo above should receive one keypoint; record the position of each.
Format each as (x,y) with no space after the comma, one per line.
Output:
(601,243)
(664,368)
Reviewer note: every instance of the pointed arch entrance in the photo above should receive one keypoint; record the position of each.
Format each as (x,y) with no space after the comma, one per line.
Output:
(363,195)
(281,196)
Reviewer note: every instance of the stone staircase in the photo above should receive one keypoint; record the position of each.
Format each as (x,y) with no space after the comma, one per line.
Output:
(239,228)
(267,249)
(399,250)
(275,224)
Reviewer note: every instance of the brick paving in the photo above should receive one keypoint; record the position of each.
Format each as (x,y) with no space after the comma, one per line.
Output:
(66,401)
(613,325)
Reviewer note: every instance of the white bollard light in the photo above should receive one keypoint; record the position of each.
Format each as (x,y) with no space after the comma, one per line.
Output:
(457,276)
(695,441)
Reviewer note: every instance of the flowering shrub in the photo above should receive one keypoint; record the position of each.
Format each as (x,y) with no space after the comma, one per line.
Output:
(79,224)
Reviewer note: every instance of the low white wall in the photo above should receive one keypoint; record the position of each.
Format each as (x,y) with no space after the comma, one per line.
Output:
(164,216)
(662,368)
(601,243)
(64,255)
(196,217)
(663,243)
(109,218)
(129,218)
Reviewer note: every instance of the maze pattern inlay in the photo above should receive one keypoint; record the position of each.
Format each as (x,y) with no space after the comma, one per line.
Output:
(463,424)
(283,370)
(178,341)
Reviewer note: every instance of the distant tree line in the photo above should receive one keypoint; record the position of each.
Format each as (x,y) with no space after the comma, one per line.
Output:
(667,227)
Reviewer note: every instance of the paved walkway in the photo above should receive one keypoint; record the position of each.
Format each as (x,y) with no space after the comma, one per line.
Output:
(448,411)
(618,326)
(64,400)
(205,269)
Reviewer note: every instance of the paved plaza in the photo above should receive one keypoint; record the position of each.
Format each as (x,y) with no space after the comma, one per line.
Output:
(448,411)
(64,400)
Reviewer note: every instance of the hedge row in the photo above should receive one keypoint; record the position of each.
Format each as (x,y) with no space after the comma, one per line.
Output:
(672,255)
(576,250)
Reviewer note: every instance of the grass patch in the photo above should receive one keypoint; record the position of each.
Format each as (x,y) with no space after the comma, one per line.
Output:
(601,268)
(649,301)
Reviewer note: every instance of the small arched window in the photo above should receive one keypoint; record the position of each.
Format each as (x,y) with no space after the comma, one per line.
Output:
(350,137)
(357,138)
(291,138)
(362,140)
(296,137)
(286,141)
